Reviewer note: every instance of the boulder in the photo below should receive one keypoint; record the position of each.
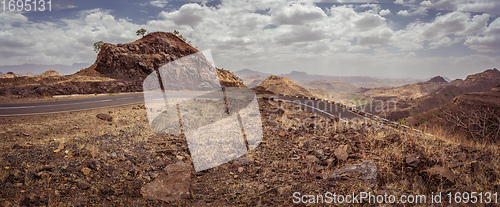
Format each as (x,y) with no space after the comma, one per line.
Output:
(341,153)
(440,174)
(105,117)
(171,185)
(366,171)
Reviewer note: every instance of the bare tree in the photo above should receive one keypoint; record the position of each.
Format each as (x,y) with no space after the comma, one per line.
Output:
(480,124)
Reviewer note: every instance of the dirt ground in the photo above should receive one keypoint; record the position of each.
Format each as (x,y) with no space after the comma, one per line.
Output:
(76,159)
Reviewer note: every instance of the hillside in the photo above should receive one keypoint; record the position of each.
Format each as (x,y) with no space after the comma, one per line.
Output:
(332,89)
(282,85)
(480,82)
(138,59)
(248,72)
(359,81)
(411,91)
(252,81)
(118,68)
(50,73)
(473,115)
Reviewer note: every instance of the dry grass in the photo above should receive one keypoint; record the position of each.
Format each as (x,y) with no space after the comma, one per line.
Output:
(278,168)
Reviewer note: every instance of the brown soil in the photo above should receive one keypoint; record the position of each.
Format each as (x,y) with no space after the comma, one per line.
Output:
(105,163)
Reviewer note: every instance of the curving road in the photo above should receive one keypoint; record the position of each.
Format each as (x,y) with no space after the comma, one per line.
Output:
(322,107)
(104,101)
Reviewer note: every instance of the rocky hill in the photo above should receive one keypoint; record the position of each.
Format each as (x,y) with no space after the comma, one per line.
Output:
(410,91)
(473,115)
(50,73)
(118,68)
(284,85)
(247,72)
(437,79)
(336,89)
(138,59)
(480,82)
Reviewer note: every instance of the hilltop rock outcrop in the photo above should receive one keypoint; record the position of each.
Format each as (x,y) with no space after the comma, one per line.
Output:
(138,59)
(50,73)
(277,85)
(437,79)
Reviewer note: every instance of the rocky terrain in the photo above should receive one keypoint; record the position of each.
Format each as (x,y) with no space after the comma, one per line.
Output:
(114,159)
(473,115)
(331,89)
(50,73)
(118,68)
(282,85)
(138,59)
(480,82)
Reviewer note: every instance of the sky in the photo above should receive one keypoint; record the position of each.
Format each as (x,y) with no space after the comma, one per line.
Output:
(378,38)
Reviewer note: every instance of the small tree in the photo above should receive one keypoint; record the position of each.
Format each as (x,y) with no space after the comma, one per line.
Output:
(178,34)
(98,46)
(141,31)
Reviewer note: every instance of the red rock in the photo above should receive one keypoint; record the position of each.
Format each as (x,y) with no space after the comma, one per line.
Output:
(171,185)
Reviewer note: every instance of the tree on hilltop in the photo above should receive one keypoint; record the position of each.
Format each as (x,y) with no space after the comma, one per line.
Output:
(141,31)
(178,34)
(98,46)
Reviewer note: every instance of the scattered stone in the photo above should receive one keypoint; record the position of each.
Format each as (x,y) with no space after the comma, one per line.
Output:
(328,162)
(240,169)
(305,144)
(242,161)
(413,160)
(43,174)
(171,185)
(135,170)
(341,153)
(282,134)
(319,153)
(60,147)
(379,142)
(441,172)
(82,185)
(474,166)
(105,117)
(311,159)
(366,170)
(114,155)
(391,176)
(86,171)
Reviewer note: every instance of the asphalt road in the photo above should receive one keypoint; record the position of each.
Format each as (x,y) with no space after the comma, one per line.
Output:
(323,108)
(103,101)
(106,101)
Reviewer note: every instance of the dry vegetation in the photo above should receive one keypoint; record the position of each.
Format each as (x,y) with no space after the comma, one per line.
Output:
(106,163)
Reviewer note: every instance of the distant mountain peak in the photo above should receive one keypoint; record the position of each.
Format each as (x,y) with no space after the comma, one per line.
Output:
(437,79)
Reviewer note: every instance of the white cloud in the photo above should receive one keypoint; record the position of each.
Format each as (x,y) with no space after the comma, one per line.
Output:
(384,12)
(159,3)
(296,14)
(488,6)
(63,42)
(189,14)
(403,13)
(277,36)
(443,31)
(488,40)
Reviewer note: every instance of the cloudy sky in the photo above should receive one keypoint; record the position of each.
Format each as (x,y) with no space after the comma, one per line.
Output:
(380,38)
